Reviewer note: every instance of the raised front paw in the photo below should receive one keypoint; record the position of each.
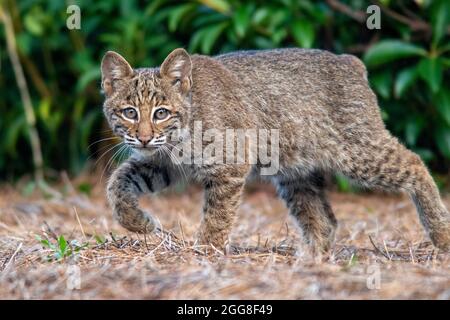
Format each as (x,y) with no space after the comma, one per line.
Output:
(134,219)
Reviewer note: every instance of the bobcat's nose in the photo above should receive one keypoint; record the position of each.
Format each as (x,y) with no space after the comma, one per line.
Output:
(144,140)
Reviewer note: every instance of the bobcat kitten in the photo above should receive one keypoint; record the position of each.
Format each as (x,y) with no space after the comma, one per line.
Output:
(321,103)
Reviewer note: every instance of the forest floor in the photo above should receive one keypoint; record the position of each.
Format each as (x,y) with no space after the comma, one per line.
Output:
(70,248)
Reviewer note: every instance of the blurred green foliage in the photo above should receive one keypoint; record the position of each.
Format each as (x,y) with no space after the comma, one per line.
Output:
(408,61)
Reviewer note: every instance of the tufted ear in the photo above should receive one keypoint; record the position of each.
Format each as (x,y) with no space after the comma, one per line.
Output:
(177,68)
(114,67)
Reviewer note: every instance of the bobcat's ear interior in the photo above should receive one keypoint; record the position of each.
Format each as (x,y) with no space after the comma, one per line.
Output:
(114,67)
(177,69)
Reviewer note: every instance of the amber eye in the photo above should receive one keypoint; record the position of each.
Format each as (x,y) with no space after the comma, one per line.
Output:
(130,113)
(161,114)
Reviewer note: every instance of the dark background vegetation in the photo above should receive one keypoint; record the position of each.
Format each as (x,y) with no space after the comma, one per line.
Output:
(408,62)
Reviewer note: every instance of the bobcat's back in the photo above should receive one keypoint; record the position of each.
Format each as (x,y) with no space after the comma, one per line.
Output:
(303,82)
(318,100)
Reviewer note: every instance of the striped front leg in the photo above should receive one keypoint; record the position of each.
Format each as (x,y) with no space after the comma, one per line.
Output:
(129,181)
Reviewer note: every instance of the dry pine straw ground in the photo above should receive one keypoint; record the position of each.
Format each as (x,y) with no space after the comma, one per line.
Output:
(377,234)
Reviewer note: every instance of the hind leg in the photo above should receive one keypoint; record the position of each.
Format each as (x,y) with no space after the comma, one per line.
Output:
(307,203)
(387,164)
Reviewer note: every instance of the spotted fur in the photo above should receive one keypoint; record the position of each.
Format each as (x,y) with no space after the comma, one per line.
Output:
(329,121)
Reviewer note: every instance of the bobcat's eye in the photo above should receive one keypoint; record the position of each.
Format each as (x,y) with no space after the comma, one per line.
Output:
(130,113)
(161,114)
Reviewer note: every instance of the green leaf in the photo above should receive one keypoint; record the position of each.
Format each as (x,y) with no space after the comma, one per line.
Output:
(303,33)
(241,20)
(87,77)
(260,15)
(194,42)
(211,35)
(414,127)
(343,184)
(442,136)
(33,24)
(442,104)
(44,109)
(278,19)
(430,70)
(62,244)
(177,13)
(12,134)
(279,35)
(205,38)
(440,20)
(263,42)
(405,79)
(446,62)
(391,50)
(218,5)
(85,187)
(353,261)
(382,83)
(24,42)
(153,7)
(444,48)
(99,239)
(86,128)
(425,154)
(45,243)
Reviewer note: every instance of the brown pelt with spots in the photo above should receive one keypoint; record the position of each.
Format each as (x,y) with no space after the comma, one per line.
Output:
(328,120)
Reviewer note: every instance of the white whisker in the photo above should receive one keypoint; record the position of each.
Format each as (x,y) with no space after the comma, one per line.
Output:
(104,139)
(116,145)
(110,161)
(177,162)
